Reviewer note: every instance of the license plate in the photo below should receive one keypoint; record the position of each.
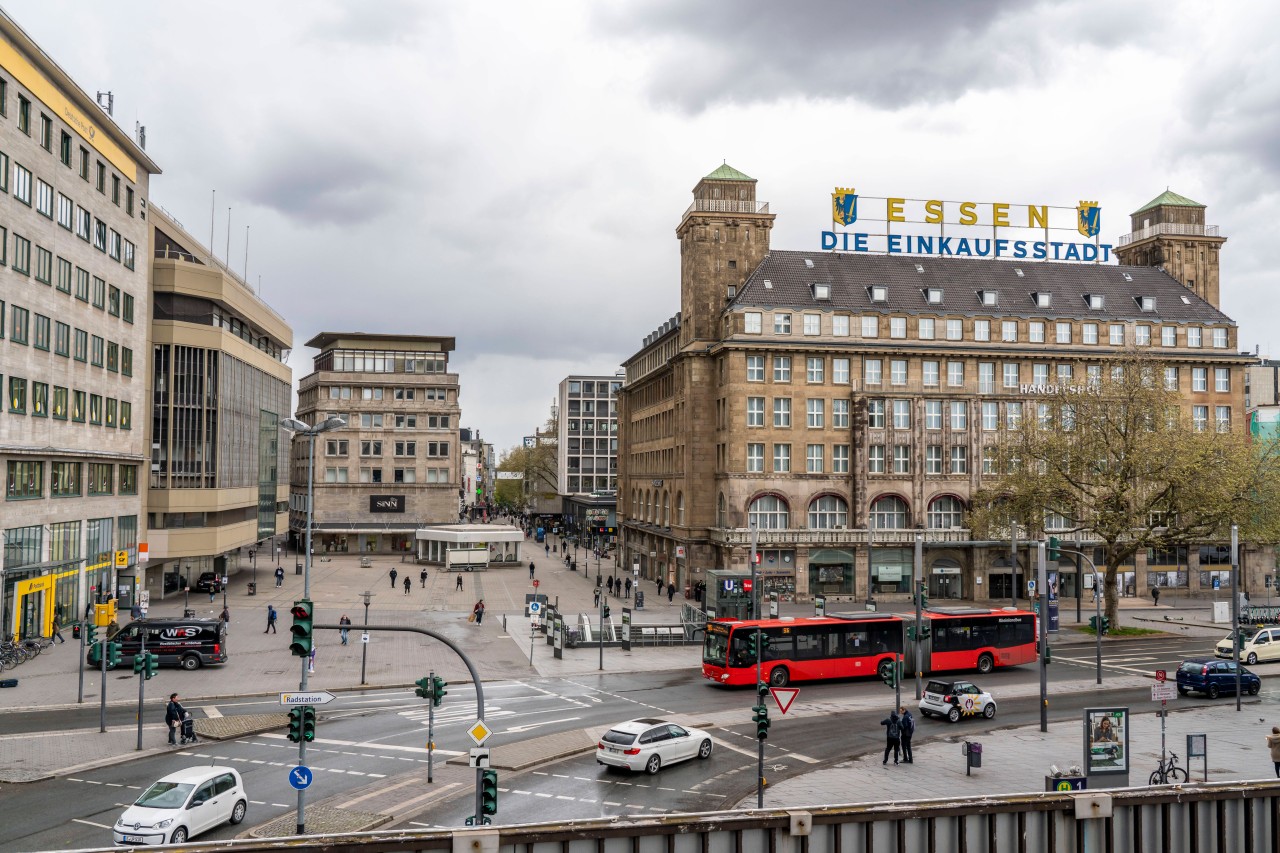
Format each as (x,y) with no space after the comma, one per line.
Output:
(615,751)
(134,839)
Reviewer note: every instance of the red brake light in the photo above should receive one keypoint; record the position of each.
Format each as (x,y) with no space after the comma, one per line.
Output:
(600,745)
(217,648)
(635,750)
(1204,670)
(947,699)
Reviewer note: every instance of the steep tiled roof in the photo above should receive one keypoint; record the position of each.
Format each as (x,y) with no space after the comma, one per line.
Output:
(789,285)
(1168,198)
(727,173)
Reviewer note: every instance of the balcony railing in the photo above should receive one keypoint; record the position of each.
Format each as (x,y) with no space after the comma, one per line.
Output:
(1170,228)
(726,205)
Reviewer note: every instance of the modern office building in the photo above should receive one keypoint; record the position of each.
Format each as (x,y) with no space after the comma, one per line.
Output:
(842,402)
(587,454)
(396,466)
(73,313)
(219,389)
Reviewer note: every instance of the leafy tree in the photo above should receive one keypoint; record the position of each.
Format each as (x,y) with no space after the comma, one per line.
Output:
(1118,459)
(537,464)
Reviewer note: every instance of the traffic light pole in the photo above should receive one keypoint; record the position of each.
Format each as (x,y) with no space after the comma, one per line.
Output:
(1042,590)
(431,728)
(1097,604)
(142,680)
(1235,606)
(919,579)
(84,629)
(760,688)
(306,595)
(102,698)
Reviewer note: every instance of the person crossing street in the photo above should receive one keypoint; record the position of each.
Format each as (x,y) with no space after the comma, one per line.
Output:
(393,578)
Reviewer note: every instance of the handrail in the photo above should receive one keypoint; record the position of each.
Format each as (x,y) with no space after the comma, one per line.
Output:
(1173,228)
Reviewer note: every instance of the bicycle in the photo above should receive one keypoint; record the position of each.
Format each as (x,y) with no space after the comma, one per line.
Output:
(1168,772)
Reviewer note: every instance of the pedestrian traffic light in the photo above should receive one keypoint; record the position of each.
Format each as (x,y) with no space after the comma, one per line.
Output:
(295,724)
(604,611)
(308,723)
(892,674)
(438,691)
(426,688)
(488,792)
(925,632)
(760,716)
(139,663)
(911,633)
(153,664)
(301,630)
(89,632)
(113,655)
(1052,552)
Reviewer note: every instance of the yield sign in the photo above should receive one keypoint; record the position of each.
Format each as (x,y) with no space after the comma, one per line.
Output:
(784,696)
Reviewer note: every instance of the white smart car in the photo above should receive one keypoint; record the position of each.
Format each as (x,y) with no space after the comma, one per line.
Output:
(182,805)
(649,744)
(955,699)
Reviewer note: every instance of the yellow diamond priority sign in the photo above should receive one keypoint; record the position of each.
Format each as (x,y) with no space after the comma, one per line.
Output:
(479,732)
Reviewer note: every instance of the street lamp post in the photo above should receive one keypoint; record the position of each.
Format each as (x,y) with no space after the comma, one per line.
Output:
(300,428)
(364,647)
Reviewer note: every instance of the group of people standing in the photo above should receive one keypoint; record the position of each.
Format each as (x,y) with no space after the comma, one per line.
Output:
(900,727)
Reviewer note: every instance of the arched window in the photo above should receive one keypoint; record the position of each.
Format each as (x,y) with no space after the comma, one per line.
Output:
(828,512)
(889,513)
(680,508)
(648,507)
(945,513)
(769,512)
(722,513)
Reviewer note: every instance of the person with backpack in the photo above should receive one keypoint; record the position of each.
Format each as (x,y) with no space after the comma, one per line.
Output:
(271,619)
(908,723)
(893,737)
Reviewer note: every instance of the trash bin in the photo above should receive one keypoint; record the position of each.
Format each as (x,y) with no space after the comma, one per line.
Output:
(688,591)
(297,568)
(573,566)
(253,588)
(973,750)
(639,600)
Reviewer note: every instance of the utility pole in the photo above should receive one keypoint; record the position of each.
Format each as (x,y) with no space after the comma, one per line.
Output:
(1042,589)
(754,600)
(919,584)
(364,646)
(1235,605)
(1013,561)
(142,680)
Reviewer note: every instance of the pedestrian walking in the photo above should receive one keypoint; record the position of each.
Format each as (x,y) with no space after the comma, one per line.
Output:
(478,611)
(211,593)
(671,592)
(57,629)
(458,585)
(1273,743)
(628,588)
(597,601)
(422,576)
(530,570)
(271,620)
(408,584)
(1155,595)
(610,584)
(893,737)
(173,714)
(342,632)
(908,723)
(225,615)
(393,578)
(279,576)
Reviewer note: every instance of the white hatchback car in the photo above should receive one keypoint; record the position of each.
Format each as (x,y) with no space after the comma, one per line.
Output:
(182,805)
(649,744)
(955,699)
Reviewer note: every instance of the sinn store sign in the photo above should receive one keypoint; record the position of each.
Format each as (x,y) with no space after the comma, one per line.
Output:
(386,503)
(906,226)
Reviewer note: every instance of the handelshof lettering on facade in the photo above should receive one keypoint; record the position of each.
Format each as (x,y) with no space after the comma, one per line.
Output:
(1054,390)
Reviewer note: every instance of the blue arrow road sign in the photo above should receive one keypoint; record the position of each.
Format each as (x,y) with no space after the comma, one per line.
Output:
(534,607)
(300,777)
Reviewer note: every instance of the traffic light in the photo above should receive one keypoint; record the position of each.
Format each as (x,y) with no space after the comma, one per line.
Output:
(301,630)
(488,792)
(95,654)
(604,611)
(911,633)
(153,663)
(295,724)
(139,663)
(113,655)
(751,645)
(925,632)
(760,716)
(1105,622)
(308,723)
(89,631)
(893,674)
(1052,553)
(438,691)
(924,597)
(426,688)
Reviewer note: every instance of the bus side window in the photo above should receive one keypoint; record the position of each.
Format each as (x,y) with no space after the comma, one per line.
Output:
(781,646)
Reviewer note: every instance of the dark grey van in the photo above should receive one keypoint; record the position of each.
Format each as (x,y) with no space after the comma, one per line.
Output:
(188,643)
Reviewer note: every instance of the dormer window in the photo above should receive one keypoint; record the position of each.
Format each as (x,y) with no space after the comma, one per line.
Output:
(1096,301)
(821,291)
(1127,277)
(1018,272)
(933,295)
(989,298)
(808,263)
(1042,300)
(768,285)
(878,293)
(919,267)
(1145,303)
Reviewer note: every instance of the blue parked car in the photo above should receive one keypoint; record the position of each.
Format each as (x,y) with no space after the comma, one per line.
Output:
(1214,677)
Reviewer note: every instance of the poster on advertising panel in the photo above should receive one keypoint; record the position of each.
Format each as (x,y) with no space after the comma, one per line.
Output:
(1106,741)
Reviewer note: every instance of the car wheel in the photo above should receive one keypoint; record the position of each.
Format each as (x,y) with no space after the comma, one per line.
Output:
(704,750)
(954,714)
(1212,692)
(1253,689)
(1182,691)
(989,711)
(779,677)
(179,836)
(1252,658)
(191,663)
(653,765)
(986,664)
(237,814)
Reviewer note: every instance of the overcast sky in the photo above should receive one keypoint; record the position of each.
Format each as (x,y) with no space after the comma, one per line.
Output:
(511,173)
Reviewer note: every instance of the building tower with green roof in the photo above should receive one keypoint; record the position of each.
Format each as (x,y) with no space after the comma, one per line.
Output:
(723,236)
(1169,232)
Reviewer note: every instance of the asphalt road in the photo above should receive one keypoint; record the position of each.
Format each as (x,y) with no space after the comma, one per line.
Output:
(363,737)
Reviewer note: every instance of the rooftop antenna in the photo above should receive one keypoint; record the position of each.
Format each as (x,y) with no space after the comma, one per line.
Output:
(213,215)
(140,131)
(246,254)
(107,101)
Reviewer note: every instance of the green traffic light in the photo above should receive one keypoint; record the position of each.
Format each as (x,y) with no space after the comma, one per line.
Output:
(438,691)
(489,792)
(425,688)
(295,724)
(308,723)
(303,618)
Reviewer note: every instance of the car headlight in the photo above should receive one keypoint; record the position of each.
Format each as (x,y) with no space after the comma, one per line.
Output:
(164,823)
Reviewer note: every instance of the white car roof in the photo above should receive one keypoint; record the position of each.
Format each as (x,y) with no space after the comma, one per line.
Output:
(195,775)
(638,726)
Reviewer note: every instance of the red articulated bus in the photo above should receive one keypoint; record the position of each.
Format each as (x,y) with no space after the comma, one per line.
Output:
(865,644)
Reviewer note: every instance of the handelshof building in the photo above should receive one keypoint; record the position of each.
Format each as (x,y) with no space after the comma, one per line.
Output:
(587,454)
(839,402)
(396,466)
(220,388)
(73,309)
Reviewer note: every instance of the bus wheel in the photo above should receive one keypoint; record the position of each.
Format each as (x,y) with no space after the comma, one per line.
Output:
(778,676)
(985,664)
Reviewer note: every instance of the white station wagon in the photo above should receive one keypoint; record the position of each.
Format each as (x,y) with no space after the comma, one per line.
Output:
(649,744)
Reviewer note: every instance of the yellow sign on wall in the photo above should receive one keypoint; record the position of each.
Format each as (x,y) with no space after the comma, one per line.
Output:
(122,559)
(36,83)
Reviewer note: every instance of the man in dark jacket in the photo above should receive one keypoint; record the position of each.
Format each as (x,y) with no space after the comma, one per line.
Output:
(893,736)
(173,714)
(908,724)
(671,591)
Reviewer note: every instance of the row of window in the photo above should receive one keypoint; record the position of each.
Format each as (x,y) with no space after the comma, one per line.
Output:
(587,426)
(373,447)
(61,273)
(45,138)
(375,475)
(46,334)
(68,480)
(589,388)
(357,392)
(1010,331)
(1012,373)
(67,404)
(828,512)
(378,420)
(375,361)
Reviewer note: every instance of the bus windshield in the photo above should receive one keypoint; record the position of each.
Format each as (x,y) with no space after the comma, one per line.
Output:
(715,648)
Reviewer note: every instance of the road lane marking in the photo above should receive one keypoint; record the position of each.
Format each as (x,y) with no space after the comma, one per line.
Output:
(211,712)
(90,823)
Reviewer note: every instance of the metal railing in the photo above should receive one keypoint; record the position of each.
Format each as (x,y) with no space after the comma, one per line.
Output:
(1169,228)
(742,536)
(725,205)
(172,254)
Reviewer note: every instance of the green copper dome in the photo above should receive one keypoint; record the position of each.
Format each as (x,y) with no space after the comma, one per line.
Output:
(1168,198)
(728,173)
